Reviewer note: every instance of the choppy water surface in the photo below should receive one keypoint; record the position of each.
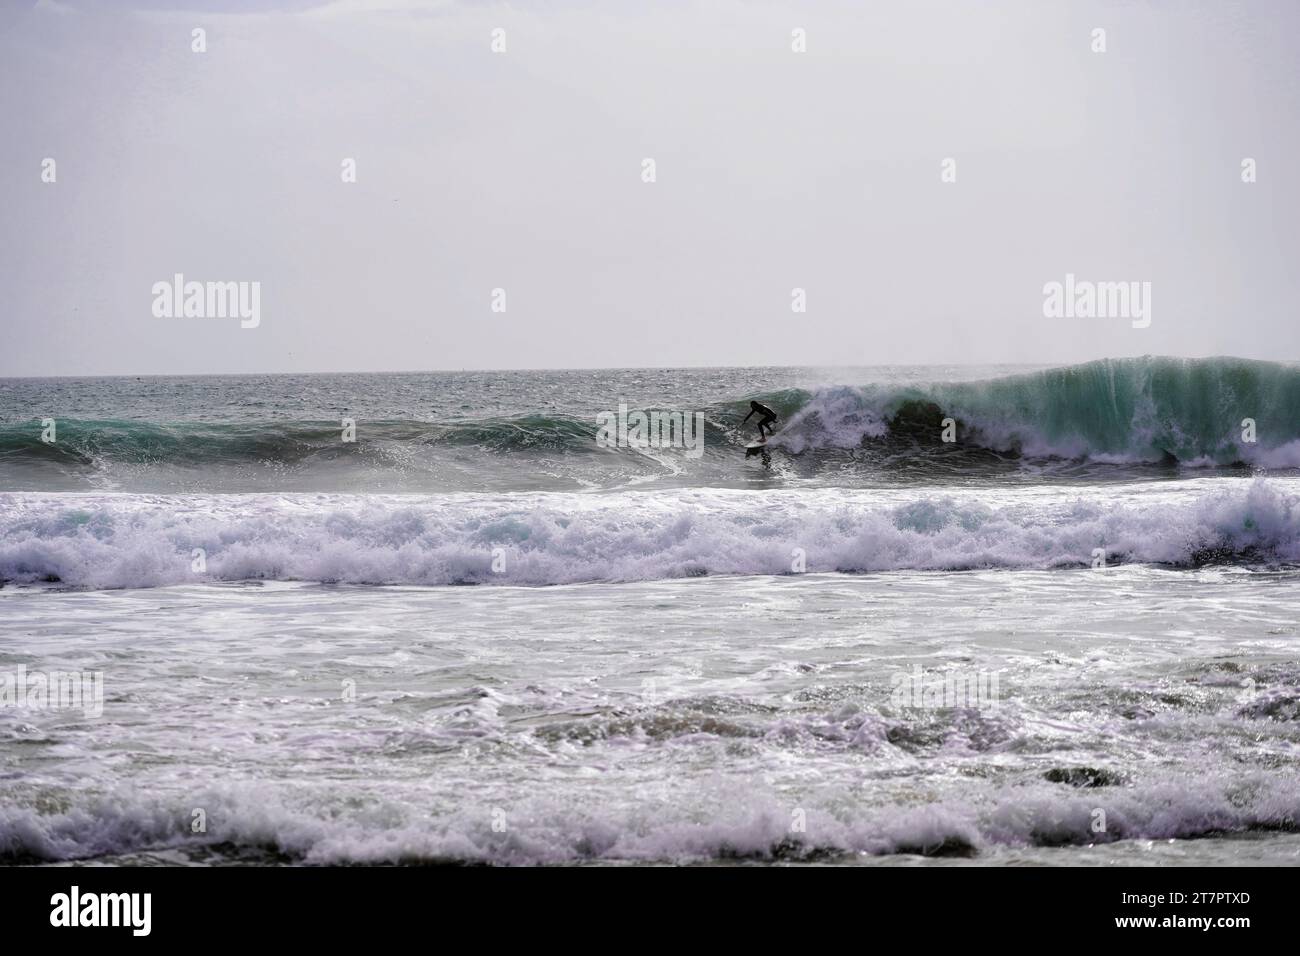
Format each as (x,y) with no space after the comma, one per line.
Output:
(1067,637)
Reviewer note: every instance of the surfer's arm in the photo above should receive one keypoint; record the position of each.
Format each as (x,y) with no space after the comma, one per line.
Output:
(746,418)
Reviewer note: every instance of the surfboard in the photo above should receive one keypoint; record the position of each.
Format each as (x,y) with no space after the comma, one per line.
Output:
(754,447)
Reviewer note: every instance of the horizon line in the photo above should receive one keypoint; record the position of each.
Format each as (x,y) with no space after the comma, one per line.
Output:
(631,368)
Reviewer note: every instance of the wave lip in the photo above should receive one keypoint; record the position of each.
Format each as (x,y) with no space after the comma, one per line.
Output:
(1193,411)
(119,541)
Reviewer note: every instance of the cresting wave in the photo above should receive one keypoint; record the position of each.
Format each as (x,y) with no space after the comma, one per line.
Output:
(1191,411)
(119,541)
(1148,410)
(199,444)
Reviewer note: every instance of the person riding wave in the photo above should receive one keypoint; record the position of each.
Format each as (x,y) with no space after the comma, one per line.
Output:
(766,417)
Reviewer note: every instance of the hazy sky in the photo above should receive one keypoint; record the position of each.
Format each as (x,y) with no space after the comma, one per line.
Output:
(522,170)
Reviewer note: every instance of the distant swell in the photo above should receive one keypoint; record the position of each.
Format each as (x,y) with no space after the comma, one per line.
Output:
(113,541)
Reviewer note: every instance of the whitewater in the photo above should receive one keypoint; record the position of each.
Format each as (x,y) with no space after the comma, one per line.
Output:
(134,541)
(475,634)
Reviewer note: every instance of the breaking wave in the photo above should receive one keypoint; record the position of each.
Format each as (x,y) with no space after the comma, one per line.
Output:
(1139,413)
(266,824)
(1191,411)
(121,541)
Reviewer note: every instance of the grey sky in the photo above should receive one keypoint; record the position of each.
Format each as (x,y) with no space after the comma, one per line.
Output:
(522,170)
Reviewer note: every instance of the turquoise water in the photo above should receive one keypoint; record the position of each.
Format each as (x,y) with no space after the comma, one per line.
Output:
(436,432)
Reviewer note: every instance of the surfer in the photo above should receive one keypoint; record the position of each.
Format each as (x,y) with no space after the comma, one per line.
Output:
(767,416)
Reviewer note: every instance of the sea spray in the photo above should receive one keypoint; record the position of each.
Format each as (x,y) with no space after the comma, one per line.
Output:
(116,541)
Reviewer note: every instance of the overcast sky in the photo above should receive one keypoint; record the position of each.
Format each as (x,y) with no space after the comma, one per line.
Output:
(522,170)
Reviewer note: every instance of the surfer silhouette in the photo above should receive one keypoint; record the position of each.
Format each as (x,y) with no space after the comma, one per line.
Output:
(766,417)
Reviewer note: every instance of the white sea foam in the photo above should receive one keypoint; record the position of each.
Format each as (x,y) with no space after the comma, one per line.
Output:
(732,820)
(122,541)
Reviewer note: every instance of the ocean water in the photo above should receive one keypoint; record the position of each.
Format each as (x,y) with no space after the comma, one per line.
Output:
(476,634)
